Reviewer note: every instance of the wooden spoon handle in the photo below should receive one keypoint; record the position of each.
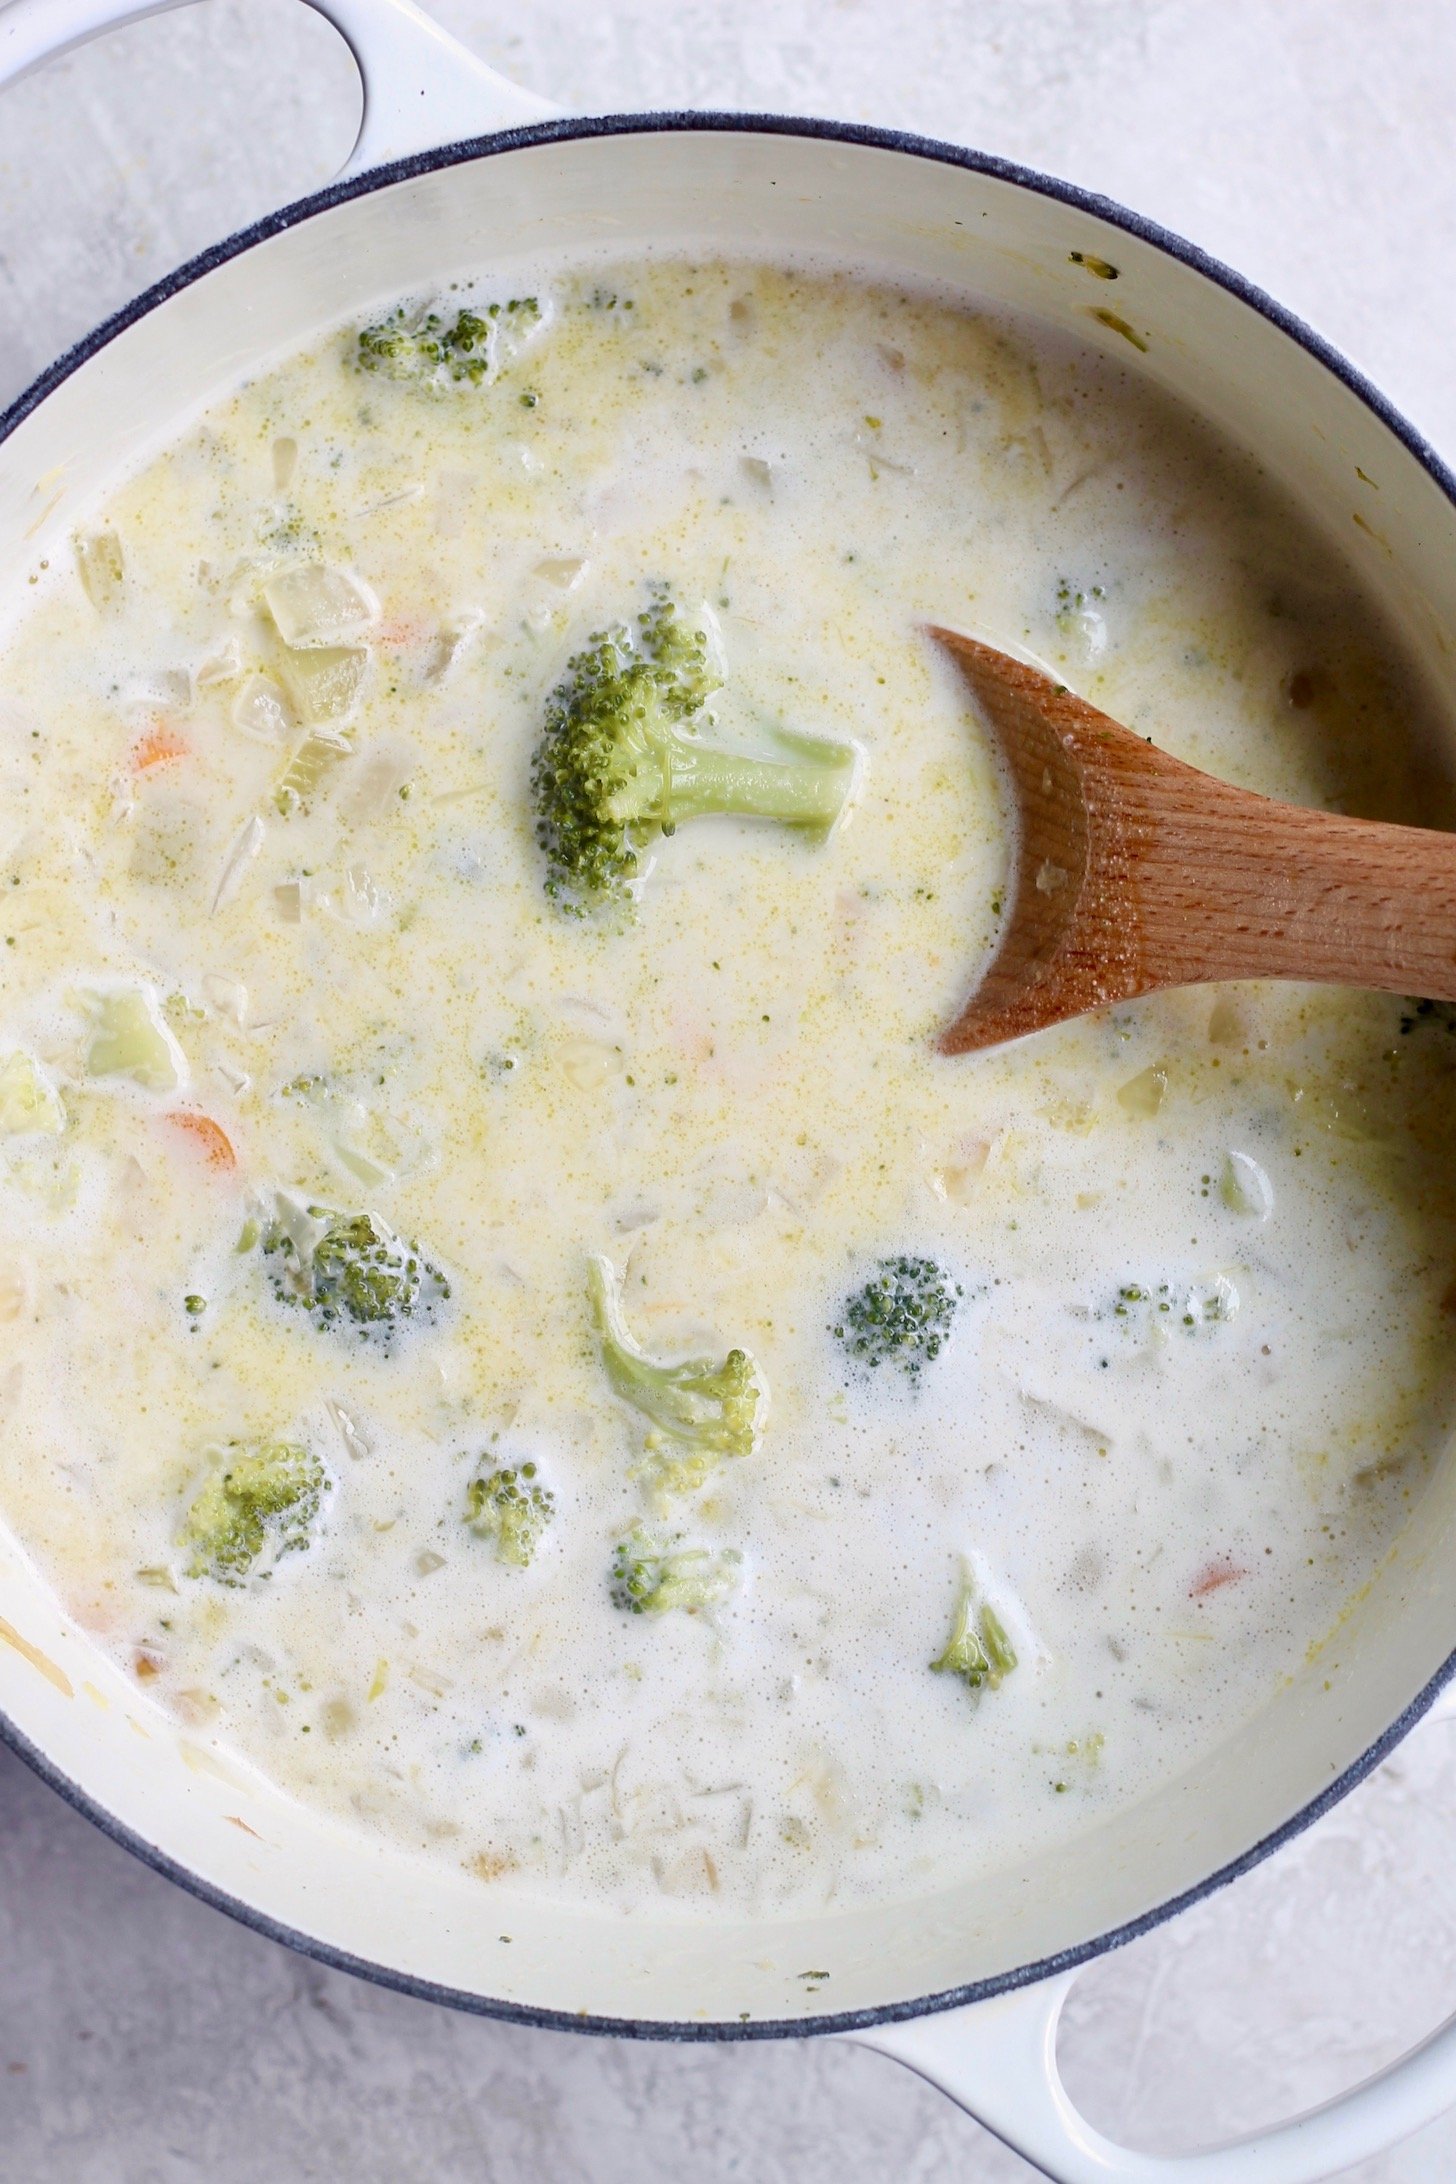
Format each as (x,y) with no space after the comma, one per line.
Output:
(1233,885)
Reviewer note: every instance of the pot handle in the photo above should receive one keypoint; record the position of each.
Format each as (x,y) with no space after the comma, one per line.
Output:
(422,88)
(998,2061)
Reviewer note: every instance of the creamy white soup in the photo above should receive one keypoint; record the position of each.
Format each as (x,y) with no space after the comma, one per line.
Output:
(509,1324)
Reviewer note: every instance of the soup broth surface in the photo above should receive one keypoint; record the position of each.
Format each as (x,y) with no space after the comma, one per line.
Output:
(277,949)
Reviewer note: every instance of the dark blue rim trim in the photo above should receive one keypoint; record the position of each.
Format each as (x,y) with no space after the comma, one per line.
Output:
(1097,208)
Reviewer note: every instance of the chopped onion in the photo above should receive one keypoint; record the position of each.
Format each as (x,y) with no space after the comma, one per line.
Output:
(356,1442)
(565,570)
(359,1165)
(129,1039)
(589,1064)
(351,1126)
(228,996)
(377,781)
(261,710)
(315,605)
(452,642)
(315,758)
(956,1180)
(196,1705)
(168,690)
(1246,1188)
(285,461)
(29,1102)
(245,848)
(1144,1094)
(223,666)
(364,898)
(100,567)
(324,684)
(1226,1024)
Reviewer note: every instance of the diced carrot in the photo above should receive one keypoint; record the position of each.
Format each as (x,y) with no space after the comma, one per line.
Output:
(1213,1576)
(158,747)
(211,1139)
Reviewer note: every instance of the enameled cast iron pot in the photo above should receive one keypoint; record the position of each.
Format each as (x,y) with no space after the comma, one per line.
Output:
(965,1982)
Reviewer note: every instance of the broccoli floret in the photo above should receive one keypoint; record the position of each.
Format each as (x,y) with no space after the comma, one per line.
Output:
(511,1507)
(350,1270)
(621,760)
(978,1649)
(265,1497)
(653,1572)
(433,352)
(901,1316)
(706,1409)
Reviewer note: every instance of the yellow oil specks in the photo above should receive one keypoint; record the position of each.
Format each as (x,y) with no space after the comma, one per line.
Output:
(489,1865)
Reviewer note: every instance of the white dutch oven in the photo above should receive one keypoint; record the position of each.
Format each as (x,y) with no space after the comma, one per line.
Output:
(964,1984)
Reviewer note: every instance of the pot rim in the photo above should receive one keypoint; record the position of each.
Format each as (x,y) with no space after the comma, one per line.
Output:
(1106,209)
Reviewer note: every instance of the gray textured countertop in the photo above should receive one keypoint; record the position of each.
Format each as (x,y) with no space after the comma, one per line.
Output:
(145,2039)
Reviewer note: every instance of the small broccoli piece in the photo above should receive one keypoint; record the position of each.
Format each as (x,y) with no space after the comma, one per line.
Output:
(1148,1309)
(266,1497)
(512,1508)
(652,1572)
(978,1649)
(620,760)
(349,1269)
(1439,1015)
(429,351)
(709,1408)
(902,1316)
(666,1468)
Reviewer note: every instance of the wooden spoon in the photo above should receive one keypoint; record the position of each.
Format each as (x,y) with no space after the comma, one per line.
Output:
(1134,872)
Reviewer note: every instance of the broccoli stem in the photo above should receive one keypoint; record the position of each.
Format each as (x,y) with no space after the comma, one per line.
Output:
(978,1649)
(696,780)
(712,1406)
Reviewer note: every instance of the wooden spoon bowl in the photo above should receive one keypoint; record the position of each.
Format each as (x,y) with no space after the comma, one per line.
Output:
(1134,872)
